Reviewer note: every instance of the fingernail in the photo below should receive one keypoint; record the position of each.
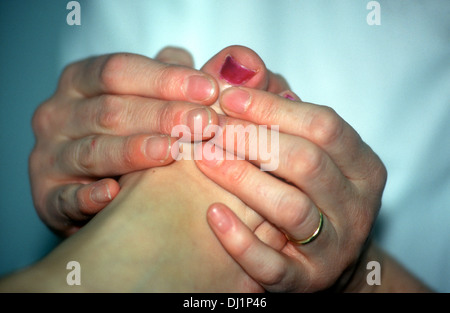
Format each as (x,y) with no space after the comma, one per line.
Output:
(100,193)
(289,97)
(235,73)
(197,120)
(198,88)
(236,100)
(220,219)
(158,147)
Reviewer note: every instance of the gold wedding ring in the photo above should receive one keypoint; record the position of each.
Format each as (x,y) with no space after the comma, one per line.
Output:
(310,238)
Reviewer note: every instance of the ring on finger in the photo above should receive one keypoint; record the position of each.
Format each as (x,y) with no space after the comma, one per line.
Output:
(310,238)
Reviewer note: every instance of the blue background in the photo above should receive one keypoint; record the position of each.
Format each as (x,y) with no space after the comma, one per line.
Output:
(29,35)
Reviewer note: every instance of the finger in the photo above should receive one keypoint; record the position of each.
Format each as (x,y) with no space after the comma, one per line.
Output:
(131,74)
(176,56)
(294,159)
(319,124)
(282,204)
(128,115)
(270,235)
(103,155)
(70,206)
(273,270)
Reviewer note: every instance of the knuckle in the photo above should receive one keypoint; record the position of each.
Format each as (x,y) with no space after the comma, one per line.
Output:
(42,118)
(110,112)
(267,110)
(326,126)
(381,175)
(129,152)
(39,194)
(34,159)
(305,162)
(85,153)
(292,210)
(81,201)
(111,70)
(274,277)
(71,203)
(237,173)
(165,117)
(168,80)
(66,77)
(62,200)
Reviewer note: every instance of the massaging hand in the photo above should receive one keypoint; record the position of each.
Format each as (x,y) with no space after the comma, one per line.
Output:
(324,166)
(105,120)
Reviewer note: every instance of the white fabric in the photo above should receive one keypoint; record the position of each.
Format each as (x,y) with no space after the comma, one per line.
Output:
(390,82)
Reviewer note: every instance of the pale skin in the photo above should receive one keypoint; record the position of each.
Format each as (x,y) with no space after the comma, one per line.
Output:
(106,108)
(323,158)
(153,237)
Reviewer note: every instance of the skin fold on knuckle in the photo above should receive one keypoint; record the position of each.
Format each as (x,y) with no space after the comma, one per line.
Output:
(165,117)
(296,213)
(66,79)
(379,175)
(110,113)
(130,154)
(266,110)
(111,70)
(79,157)
(325,126)
(270,273)
(71,203)
(40,200)
(43,119)
(290,209)
(168,80)
(275,277)
(236,173)
(305,163)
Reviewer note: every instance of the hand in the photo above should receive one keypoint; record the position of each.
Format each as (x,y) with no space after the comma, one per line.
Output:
(106,119)
(323,165)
